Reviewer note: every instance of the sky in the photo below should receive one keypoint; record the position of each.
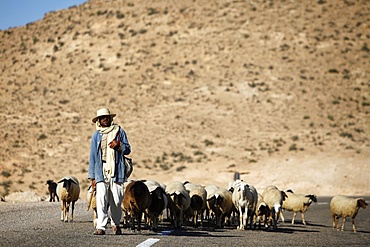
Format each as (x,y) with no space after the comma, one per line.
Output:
(15,13)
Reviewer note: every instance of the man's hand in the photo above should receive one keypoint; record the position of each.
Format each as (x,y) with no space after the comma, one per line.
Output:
(115,143)
(93,183)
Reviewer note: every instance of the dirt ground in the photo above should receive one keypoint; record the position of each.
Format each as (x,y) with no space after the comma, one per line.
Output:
(278,91)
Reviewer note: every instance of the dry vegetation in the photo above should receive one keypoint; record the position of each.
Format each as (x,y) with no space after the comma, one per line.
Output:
(277,90)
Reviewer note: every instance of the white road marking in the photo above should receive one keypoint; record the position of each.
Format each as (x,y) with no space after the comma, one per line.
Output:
(322,203)
(148,242)
(165,233)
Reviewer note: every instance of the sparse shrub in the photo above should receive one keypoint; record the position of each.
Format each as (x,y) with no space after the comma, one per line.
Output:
(306,117)
(5,174)
(42,137)
(330,117)
(365,48)
(152,11)
(347,135)
(208,142)
(119,15)
(180,168)
(295,138)
(293,147)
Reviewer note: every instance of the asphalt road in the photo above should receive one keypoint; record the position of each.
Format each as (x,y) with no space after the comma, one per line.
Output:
(38,224)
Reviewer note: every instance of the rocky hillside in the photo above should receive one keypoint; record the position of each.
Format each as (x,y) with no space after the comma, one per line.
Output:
(271,89)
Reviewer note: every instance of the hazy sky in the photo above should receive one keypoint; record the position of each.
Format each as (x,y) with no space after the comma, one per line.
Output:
(15,13)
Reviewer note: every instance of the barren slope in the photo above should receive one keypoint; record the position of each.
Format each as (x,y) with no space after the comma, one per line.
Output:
(277,90)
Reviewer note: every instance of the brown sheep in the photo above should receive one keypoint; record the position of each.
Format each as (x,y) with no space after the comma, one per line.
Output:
(135,201)
(68,190)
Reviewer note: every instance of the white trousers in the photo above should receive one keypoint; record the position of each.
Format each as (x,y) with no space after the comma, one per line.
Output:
(108,194)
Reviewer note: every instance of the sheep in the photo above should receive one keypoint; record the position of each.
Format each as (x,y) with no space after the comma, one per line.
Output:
(135,201)
(221,204)
(297,203)
(178,203)
(210,189)
(52,187)
(262,212)
(273,198)
(91,202)
(68,190)
(158,204)
(343,206)
(198,198)
(245,198)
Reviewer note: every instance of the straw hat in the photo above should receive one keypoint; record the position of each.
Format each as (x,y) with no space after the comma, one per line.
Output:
(102,112)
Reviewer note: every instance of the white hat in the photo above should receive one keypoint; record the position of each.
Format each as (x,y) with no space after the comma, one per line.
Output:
(102,112)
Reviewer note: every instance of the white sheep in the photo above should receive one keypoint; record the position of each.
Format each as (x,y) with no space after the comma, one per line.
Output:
(178,203)
(221,204)
(297,203)
(245,198)
(210,189)
(68,190)
(91,202)
(273,198)
(343,206)
(198,198)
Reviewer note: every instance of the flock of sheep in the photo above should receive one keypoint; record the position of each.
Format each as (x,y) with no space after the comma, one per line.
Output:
(191,204)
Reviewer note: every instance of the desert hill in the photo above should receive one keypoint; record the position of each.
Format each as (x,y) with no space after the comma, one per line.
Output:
(276,90)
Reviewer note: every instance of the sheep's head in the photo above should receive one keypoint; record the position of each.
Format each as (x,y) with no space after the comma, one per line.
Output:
(67,183)
(361,203)
(312,197)
(49,182)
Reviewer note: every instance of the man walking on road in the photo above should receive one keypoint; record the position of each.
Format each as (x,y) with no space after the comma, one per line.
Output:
(109,144)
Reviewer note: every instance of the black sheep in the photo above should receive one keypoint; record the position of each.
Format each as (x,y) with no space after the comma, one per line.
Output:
(52,190)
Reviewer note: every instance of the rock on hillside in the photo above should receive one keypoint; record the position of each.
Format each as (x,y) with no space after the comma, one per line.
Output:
(202,88)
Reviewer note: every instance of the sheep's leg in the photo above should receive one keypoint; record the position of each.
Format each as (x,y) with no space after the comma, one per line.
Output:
(195,218)
(353,225)
(139,221)
(66,211)
(303,220)
(344,221)
(95,217)
(282,216)
(333,221)
(73,208)
(241,219)
(294,215)
(62,212)
(336,223)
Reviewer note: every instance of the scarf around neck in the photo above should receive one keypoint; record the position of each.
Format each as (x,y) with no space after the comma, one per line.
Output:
(111,133)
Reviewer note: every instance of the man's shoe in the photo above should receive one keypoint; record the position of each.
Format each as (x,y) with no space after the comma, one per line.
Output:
(116,230)
(99,232)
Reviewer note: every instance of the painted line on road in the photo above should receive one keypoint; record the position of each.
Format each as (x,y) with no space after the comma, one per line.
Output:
(148,242)
(165,233)
(322,203)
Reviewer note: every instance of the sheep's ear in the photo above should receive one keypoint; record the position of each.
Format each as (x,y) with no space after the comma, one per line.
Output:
(61,180)
(291,191)
(284,195)
(73,181)
(210,198)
